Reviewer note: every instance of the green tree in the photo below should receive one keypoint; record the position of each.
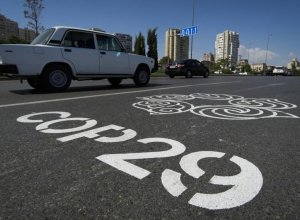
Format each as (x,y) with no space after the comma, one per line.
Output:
(33,10)
(139,45)
(165,60)
(224,63)
(152,47)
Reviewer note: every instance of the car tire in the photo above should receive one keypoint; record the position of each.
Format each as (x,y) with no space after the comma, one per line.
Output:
(56,78)
(35,82)
(141,76)
(188,74)
(206,74)
(115,82)
(171,76)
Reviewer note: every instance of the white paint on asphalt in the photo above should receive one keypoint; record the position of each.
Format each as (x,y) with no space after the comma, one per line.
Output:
(110,94)
(261,87)
(119,162)
(228,107)
(245,185)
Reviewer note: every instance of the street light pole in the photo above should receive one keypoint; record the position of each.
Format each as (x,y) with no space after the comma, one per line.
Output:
(269,35)
(192,38)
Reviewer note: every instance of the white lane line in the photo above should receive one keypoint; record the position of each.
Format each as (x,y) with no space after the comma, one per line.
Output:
(109,94)
(261,87)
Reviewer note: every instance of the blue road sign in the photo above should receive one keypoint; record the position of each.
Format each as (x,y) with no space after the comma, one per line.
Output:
(189,31)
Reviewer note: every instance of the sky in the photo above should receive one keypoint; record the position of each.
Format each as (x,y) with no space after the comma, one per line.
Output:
(257,22)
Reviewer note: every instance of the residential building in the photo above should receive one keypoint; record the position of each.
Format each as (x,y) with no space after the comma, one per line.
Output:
(8,28)
(294,62)
(259,67)
(177,47)
(208,57)
(126,41)
(227,45)
(26,34)
(243,62)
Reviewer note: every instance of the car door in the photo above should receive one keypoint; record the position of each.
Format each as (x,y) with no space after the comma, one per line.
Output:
(113,58)
(78,47)
(200,68)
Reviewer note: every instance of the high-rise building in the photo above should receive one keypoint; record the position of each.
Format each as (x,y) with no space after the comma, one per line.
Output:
(8,28)
(227,45)
(208,57)
(177,47)
(126,41)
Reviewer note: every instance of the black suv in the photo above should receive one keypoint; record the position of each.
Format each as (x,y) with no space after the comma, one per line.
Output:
(187,68)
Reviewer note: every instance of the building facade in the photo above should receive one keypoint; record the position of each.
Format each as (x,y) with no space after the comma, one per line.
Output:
(177,47)
(226,46)
(8,28)
(26,34)
(258,67)
(126,41)
(208,57)
(294,63)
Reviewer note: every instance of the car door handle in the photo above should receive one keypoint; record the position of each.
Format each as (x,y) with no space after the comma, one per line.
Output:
(68,50)
(103,53)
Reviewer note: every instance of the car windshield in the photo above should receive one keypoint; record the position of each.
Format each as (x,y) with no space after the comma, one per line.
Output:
(279,67)
(177,62)
(43,37)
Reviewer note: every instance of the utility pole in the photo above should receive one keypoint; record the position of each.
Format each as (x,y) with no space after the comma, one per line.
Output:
(192,38)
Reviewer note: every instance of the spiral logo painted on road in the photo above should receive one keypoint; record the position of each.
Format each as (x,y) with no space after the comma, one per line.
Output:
(160,107)
(228,107)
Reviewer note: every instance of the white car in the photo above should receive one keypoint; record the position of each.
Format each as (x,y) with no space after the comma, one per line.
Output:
(279,70)
(61,54)
(243,73)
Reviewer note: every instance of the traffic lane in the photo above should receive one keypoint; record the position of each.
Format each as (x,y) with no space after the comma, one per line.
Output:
(74,163)
(14,92)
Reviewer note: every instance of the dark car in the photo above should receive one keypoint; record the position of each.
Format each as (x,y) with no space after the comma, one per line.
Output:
(187,68)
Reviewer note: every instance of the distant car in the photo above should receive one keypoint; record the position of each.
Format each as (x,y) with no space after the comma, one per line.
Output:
(243,73)
(187,68)
(279,70)
(218,72)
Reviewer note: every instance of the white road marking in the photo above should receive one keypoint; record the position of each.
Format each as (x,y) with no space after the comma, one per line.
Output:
(110,94)
(245,185)
(261,87)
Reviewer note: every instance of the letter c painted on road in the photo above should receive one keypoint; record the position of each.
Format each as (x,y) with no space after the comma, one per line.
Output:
(25,118)
(44,127)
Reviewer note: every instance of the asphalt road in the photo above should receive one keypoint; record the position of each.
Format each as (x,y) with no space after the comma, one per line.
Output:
(215,148)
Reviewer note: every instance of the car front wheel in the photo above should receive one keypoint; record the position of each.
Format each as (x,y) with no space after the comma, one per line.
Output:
(141,76)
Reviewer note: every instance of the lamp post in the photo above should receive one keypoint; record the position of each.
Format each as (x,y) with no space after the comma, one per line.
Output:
(269,35)
(192,38)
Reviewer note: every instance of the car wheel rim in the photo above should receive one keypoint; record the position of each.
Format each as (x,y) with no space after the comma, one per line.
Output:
(143,76)
(58,78)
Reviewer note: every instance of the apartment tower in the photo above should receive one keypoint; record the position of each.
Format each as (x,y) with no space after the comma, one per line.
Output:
(227,45)
(177,47)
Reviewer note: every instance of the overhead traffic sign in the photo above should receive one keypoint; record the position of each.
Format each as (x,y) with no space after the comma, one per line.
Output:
(189,31)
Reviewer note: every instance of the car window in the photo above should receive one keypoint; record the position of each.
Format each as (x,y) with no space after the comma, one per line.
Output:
(189,63)
(79,40)
(108,43)
(197,63)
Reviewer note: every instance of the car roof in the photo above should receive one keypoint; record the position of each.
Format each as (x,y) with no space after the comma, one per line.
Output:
(95,30)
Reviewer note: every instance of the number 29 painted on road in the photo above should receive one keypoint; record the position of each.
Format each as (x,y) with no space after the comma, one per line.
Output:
(245,185)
